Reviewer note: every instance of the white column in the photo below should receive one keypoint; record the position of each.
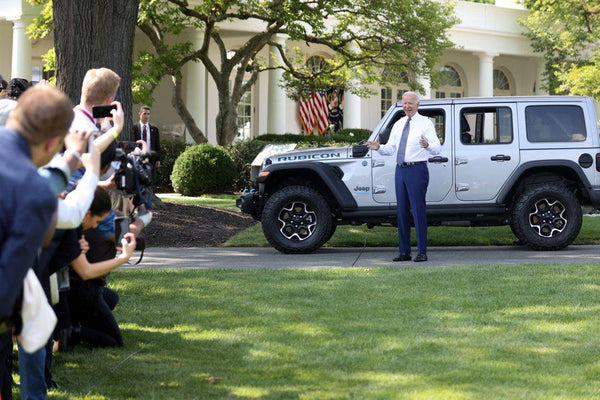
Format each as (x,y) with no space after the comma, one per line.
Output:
(539,79)
(352,108)
(21,48)
(425,81)
(277,100)
(352,103)
(486,73)
(196,89)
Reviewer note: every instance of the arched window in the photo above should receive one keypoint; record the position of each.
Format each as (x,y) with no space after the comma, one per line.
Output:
(450,83)
(315,63)
(502,86)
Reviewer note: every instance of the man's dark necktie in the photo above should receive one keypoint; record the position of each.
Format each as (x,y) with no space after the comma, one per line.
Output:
(402,144)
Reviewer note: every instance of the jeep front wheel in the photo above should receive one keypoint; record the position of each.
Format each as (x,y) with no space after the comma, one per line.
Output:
(547,217)
(296,219)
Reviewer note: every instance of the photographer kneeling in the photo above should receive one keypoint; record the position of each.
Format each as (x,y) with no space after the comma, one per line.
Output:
(89,301)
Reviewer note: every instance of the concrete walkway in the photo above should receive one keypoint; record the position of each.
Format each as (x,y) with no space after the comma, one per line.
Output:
(267,257)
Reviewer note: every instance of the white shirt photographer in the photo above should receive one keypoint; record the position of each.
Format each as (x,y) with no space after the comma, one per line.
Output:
(72,209)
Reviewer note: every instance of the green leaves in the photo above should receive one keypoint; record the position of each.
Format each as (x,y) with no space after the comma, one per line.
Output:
(567,32)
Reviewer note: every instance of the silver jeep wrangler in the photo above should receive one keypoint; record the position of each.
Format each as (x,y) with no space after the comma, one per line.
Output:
(528,162)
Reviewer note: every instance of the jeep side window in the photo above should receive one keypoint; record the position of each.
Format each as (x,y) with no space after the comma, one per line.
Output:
(436,116)
(555,124)
(486,125)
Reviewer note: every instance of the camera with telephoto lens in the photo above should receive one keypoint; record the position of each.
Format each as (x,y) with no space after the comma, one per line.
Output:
(133,177)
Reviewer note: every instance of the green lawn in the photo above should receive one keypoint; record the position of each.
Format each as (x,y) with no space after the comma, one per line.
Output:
(223,201)
(356,236)
(480,332)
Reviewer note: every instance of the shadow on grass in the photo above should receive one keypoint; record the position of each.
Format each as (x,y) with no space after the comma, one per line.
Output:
(451,333)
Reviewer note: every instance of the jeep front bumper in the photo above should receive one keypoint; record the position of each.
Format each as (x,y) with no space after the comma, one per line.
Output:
(250,203)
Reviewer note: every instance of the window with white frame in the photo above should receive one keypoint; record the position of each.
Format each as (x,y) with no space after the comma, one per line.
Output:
(387,93)
(386,99)
(502,86)
(315,63)
(450,83)
(244,116)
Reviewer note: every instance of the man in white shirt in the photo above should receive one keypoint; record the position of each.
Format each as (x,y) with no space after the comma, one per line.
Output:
(99,88)
(413,139)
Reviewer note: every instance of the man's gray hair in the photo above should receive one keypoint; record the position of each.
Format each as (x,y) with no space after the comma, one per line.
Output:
(411,93)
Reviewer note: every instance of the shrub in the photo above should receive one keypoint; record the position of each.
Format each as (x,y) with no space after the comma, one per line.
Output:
(203,168)
(350,135)
(243,153)
(283,138)
(170,149)
(341,137)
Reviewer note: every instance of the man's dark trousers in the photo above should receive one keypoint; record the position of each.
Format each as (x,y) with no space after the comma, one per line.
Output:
(411,189)
(6,346)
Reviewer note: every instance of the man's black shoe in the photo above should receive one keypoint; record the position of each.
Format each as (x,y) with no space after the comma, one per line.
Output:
(403,257)
(421,257)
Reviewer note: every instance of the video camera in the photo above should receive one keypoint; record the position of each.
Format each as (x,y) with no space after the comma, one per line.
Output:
(133,177)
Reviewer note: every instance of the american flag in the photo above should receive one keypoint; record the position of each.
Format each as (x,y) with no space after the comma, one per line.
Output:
(320,111)
(306,113)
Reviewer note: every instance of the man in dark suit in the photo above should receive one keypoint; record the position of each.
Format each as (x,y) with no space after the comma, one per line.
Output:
(34,132)
(148,133)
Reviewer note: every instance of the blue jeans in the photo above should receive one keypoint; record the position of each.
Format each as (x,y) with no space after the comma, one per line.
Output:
(31,370)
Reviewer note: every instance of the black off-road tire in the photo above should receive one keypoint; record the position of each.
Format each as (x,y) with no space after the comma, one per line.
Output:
(331,232)
(297,220)
(547,216)
(515,231)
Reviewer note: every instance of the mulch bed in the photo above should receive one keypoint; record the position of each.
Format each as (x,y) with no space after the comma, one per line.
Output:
(182,225)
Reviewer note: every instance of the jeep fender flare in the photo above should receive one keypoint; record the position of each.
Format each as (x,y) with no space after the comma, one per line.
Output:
(522,169)
(331,176)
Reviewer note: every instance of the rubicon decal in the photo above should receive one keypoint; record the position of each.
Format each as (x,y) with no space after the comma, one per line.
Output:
(300,157)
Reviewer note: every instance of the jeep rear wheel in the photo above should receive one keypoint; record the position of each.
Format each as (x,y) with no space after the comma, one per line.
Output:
(296,219)
(547,217)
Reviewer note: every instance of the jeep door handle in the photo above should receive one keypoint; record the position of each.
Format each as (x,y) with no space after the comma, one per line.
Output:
(500,157)
(438,159)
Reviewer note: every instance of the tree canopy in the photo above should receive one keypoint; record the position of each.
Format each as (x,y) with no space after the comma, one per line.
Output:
(370,41)
(366,37)
(567,32)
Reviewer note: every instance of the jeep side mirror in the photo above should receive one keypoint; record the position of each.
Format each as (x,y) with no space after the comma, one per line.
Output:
(359,150)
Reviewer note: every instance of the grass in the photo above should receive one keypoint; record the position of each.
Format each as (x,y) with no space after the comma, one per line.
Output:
(479,332)
(357,236)
(222,201)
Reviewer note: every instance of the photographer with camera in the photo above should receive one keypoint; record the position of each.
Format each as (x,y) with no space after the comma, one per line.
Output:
(33,134)
(98,91)
(35,377)
(90,302)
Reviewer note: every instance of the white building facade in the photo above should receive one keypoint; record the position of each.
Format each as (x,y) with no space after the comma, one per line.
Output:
(491,57)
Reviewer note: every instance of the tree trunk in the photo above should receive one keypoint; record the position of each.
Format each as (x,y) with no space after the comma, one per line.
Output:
(184,114)
(227,118)
(226,124)
(93,34)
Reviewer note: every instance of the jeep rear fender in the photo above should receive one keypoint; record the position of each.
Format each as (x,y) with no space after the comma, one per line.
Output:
(330,177)
(548,168)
